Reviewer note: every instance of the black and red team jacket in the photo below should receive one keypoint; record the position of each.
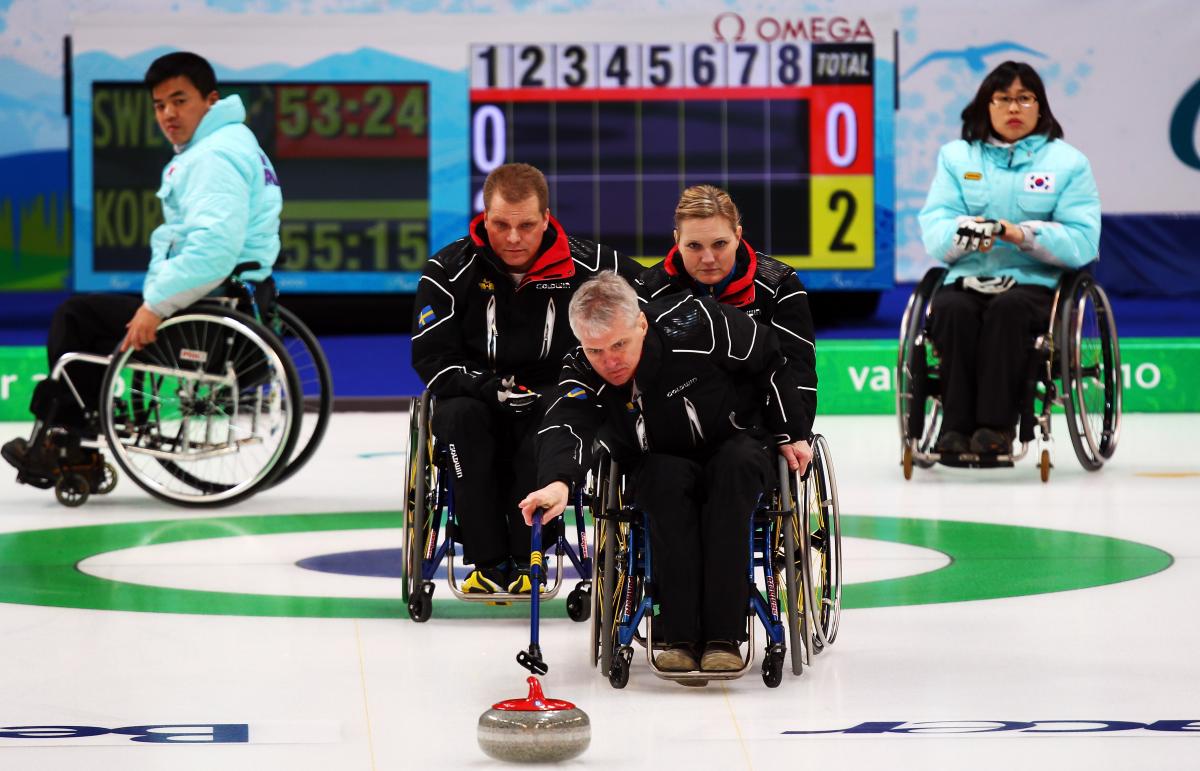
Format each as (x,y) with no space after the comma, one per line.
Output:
(470,321)
(707,372)
(763,288)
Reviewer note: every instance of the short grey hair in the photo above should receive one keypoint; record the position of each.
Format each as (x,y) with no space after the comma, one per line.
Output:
(600,303)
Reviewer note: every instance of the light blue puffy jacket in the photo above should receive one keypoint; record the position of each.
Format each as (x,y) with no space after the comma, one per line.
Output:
(221,204)
(1044,186)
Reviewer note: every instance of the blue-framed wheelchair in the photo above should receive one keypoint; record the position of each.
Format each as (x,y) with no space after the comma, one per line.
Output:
(208,414)
(1075,364)
(431,532)
(795,573)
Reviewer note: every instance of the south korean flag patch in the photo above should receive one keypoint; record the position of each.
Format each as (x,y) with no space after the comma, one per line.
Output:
(1039,182)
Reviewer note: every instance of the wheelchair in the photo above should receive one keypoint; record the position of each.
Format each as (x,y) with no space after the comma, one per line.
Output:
(1075,364)
(431,532)
(208,414)
(795,546)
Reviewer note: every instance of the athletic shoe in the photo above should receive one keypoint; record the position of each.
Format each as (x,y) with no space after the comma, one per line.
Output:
(678,657)
(521,582)
(721,656)
(951,442)
(992,441)
(484,581)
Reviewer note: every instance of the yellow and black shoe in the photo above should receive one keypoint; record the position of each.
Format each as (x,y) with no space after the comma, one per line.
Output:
(522,584)
(484,581)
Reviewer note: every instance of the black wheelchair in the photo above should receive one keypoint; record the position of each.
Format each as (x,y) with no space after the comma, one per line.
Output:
(1076,364)
(208,414)
(431,532)
(795,573)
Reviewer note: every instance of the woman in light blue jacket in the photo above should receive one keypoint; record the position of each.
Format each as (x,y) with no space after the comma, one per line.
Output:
(1011,207)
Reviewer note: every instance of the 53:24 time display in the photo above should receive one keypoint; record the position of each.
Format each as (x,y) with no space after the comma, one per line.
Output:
(330,111)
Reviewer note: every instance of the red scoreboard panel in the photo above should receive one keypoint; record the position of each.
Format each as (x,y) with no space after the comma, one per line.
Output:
(620,129)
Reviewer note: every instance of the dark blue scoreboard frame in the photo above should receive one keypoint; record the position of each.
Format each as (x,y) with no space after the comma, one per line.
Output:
(798,133)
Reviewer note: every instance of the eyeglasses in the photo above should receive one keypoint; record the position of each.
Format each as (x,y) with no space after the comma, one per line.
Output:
(1024,100)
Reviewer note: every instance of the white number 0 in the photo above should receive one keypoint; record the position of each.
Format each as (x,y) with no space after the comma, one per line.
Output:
(488,158)
(844,154)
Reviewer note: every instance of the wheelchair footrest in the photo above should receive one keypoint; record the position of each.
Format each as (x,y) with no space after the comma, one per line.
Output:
(976,460)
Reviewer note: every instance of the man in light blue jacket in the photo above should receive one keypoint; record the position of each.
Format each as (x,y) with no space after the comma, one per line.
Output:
(1011,207)
(221,203)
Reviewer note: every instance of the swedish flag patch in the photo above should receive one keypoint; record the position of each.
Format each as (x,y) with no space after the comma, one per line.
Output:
(577,393)
(426,316)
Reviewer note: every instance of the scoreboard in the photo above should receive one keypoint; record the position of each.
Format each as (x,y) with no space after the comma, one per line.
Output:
(621,129)
(352,159)
(382,142)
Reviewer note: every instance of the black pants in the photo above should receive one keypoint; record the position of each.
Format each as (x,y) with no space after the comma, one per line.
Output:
(699,511)
(88,323)
(492,466)
(984,343)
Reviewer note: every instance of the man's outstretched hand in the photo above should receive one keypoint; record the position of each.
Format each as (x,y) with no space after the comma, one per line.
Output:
(552,498)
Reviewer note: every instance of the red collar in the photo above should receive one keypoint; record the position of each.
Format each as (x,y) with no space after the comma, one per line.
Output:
(553,260)
(739,292)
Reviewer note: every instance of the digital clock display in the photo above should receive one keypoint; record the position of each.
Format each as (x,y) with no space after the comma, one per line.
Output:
(352,160)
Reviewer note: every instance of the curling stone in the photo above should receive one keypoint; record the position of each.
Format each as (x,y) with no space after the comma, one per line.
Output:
(535,729)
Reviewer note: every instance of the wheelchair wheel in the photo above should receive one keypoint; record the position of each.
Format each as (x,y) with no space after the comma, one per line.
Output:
(790,489)
(772,669)
(72,489)
(579,604)
(605,593)
(316,386)
(207,414)
(420,506)
(821,547)
(918,412)
(618,675)
(1090,368)
(108,480)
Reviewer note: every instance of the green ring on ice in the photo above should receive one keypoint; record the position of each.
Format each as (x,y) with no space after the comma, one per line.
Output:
(987,561)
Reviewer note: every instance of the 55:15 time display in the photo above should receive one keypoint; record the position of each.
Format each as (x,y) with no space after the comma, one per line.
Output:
(353,245)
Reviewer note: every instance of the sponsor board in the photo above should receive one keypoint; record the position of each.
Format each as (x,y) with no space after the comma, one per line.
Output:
(856,377)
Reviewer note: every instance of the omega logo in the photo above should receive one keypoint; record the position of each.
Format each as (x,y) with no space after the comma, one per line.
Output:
(730,27)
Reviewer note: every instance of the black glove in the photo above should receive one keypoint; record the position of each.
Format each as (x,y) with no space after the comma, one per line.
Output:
(509,396)
(977,235)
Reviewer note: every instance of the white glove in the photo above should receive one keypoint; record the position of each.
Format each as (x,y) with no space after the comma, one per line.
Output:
(977,235)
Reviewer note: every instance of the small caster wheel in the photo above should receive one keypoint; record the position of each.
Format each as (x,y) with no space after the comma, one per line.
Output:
(908,461)
(1044,465)
(618,676)
(72,490)
(772,670)
(579,604)
(420,605)
(108,480)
